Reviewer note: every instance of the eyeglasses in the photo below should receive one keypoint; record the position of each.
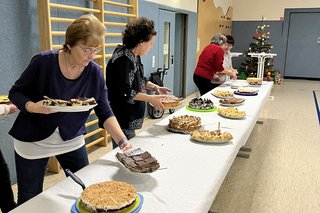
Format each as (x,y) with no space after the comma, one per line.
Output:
(90,51)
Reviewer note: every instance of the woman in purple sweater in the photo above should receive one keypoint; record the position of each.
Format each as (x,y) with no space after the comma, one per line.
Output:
(38,132)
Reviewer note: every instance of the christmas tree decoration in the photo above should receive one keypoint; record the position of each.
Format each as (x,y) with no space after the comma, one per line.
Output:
(260,44)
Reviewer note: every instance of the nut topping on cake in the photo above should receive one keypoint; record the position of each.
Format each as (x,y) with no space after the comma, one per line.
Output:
(211,136)
(170,102)
(108,196)
(185,123)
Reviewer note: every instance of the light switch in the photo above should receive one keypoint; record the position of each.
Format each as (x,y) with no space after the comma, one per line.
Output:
(318,40)
(153,61)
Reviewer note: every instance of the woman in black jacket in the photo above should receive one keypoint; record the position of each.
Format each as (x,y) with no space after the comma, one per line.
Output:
(125,78)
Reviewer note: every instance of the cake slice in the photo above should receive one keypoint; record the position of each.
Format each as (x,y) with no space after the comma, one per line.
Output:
(141,163)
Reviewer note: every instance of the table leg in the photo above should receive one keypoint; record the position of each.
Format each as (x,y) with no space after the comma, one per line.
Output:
(245,149)
(259,122)
(210,211)
(244,152)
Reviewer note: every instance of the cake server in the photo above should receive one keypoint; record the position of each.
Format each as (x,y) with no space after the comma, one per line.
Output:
(75,178)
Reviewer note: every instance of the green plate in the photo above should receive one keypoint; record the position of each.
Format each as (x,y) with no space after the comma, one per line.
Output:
(202,110)
(134,208)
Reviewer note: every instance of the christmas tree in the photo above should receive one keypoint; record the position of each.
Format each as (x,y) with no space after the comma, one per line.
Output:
(261,43)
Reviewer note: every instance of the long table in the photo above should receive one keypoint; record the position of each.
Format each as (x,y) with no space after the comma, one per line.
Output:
(190,173)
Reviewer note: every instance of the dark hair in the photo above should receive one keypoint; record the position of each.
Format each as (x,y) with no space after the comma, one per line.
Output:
(230,39)
(138,31)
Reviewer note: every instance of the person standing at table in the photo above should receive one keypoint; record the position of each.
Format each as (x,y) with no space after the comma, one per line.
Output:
(7,202)
(210,64)
(125,78)
(227,61)
(38,132)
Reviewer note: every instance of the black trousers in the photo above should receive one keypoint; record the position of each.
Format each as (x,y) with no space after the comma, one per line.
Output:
(6,195)
(204,85)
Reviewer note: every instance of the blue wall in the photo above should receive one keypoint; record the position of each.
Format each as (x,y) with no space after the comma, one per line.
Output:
(19,41)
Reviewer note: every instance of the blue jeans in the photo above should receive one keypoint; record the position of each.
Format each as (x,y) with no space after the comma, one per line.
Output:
(128,133)
(30,173)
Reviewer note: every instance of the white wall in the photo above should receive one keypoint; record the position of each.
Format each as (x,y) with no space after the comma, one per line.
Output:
(190,5)
(244,10)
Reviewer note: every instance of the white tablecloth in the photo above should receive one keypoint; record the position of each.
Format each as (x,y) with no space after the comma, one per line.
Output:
(190,175)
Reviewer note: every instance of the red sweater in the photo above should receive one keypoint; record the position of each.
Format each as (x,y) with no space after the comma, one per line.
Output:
(210,61)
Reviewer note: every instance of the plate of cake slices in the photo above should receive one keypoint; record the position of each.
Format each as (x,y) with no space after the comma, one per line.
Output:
(201,105)
(170,102)
(138,161)
(184,124)
(232,113)
(254,82)
(211,137)
(72,105)
(109,196)
(246,91)
(222,94)
(231,102)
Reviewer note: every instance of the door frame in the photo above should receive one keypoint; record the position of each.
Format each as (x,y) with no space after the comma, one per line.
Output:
(286,27)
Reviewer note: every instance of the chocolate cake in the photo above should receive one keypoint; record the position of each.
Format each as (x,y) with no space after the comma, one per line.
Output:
(199,103)
(141,163)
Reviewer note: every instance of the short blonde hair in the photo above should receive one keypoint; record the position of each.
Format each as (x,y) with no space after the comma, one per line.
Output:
(87,29)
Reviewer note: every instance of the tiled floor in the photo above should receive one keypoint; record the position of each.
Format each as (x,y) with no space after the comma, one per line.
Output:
(283,173)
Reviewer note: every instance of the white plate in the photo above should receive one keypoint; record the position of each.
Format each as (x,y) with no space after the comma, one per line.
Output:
(71,108)
(255,85)
(237,118)
(231,105)
(210,142)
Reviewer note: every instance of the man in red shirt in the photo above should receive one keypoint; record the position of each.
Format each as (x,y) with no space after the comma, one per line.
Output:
(210,63)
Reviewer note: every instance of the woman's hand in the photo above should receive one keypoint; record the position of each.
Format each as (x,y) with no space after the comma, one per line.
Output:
(233,75)
(37,107)
(156,101)
(126,145)
(162,90)
(12,108)
(230,72)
